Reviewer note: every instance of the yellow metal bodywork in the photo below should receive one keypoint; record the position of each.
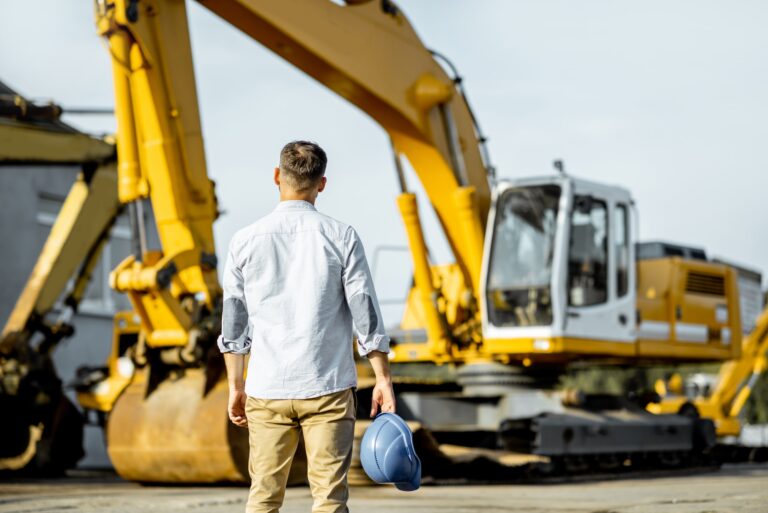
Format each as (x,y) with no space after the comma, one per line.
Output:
(25,142)
(668,293)
(102,396)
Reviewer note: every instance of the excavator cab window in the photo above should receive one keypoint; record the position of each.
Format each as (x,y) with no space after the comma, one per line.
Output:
(621,243)
(588,252)
(520,270)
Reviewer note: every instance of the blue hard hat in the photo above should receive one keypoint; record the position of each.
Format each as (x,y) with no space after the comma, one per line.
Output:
(388,455)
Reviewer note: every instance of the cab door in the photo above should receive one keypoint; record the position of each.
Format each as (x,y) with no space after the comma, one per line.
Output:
(600,275)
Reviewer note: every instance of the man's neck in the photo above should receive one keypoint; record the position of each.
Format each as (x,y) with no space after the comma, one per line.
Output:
(309,198)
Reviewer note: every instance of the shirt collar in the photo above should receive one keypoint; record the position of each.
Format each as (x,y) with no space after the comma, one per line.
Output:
(288,205)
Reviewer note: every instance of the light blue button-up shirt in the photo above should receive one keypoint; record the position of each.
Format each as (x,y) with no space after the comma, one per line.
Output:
(295,284)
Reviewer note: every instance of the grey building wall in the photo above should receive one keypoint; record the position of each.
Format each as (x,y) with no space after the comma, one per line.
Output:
(30,197)
(22,193)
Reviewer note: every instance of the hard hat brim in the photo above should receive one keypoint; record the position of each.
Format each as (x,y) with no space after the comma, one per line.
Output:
(415,481)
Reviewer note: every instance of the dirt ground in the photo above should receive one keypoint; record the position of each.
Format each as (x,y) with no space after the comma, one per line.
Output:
(742,489)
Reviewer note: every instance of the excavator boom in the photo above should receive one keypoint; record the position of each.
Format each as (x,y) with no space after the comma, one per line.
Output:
(369,54)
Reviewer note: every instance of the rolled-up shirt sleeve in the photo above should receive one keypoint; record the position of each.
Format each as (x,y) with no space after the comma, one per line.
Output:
(235,332)
(361,298)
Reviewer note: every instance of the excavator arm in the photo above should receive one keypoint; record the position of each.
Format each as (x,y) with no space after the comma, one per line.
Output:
(369,54)
(738,378)
(734,385)
(160,156)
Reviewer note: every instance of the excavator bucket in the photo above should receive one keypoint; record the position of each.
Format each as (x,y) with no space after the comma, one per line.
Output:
(179,432)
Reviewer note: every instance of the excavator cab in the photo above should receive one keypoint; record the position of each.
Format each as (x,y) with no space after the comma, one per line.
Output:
(562,281)
(559,265)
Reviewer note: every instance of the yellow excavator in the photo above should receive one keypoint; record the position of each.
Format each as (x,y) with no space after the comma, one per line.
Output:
(547,274)
(44,432)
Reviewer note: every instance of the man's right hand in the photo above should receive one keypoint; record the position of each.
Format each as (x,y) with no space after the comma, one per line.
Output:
(383,397)
(236,408)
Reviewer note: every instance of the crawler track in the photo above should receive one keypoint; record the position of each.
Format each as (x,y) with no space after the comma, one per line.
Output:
(453,465)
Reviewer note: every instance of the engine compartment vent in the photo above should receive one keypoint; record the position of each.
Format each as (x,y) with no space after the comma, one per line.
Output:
(703,283)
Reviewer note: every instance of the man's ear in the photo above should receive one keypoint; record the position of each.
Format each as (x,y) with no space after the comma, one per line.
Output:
(321,186)
(277,176)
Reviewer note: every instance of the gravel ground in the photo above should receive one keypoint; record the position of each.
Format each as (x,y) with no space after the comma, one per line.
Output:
(742,489)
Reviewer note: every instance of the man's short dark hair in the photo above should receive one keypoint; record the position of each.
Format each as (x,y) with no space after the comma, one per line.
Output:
(302,163)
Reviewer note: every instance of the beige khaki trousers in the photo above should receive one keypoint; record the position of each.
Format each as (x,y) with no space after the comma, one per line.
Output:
(274,426)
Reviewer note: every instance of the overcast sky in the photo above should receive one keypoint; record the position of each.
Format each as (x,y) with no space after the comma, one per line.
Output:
(665,98)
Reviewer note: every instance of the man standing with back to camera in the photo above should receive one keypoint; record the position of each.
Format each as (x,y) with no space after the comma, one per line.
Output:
(295,283)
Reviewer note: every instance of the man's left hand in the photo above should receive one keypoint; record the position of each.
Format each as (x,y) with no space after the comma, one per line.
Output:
(383,398)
